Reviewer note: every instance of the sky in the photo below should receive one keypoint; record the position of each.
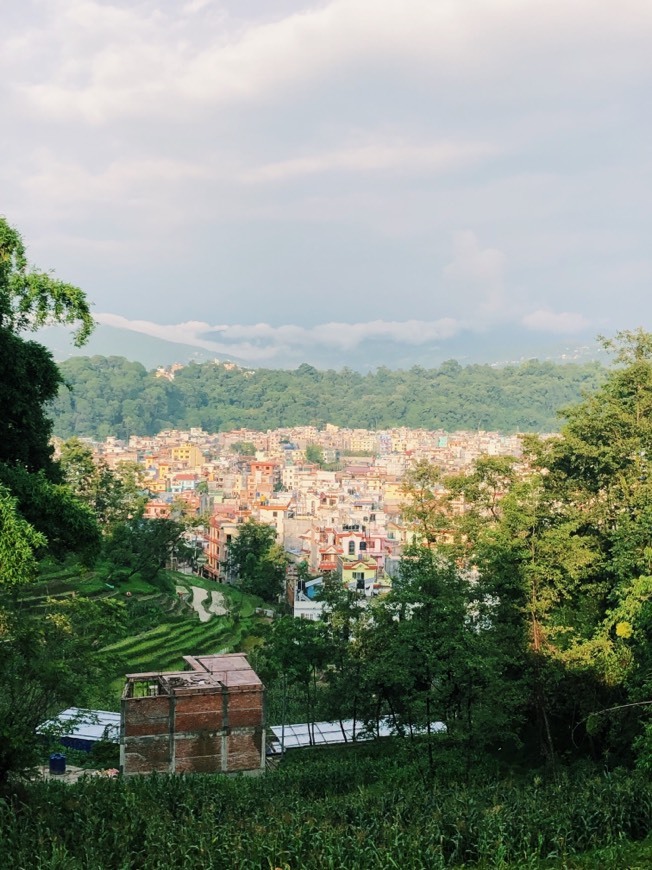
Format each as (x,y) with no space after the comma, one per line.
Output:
(286,180)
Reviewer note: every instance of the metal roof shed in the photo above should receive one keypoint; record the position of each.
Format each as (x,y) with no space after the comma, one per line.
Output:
(80,729)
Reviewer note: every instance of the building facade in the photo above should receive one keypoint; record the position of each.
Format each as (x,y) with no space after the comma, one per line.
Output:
(207,719)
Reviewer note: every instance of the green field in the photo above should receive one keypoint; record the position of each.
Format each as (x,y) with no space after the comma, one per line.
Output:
(365,806)
(162,625)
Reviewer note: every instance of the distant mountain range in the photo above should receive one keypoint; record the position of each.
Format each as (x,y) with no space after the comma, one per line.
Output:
(135,346)
(496,347)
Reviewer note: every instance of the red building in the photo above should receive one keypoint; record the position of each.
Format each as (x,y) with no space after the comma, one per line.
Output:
(207,719)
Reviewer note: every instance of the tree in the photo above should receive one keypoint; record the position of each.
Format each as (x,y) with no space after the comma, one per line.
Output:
(30,299)
(143,546)
(45,660)
(244,448)
(18,544)
(315,454)
(111,396)
(427,501)
(432,655)
(600,470)
(347,621)
(66,524)
(257,561)
(30,379)
(49,663)
(565,552)
(113,495)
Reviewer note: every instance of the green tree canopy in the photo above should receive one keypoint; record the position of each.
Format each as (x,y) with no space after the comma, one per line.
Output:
(110,396)
(256,561)
(315,453)
(113,495)
(142,546)
(30,299)
(46,661)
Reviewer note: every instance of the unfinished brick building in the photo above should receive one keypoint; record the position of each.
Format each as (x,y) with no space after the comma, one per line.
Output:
(207,719)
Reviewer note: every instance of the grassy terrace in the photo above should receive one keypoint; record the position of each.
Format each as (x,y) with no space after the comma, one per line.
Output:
(162,624)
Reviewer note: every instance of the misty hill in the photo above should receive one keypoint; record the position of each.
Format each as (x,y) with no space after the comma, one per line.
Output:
(110,340)
(112,396)
(498,346)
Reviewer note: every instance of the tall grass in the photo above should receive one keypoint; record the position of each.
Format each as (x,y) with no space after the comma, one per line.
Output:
(360,812)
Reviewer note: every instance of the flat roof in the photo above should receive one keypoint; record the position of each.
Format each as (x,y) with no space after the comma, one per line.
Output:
(229,669)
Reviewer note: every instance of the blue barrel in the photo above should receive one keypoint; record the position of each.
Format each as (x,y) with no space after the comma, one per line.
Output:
(57,764)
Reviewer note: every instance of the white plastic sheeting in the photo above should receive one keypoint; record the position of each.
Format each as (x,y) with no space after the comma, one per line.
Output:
(330,733)
(86,725)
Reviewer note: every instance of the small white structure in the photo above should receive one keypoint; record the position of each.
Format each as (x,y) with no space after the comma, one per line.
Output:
(80,729)
(305,605)
(328,733)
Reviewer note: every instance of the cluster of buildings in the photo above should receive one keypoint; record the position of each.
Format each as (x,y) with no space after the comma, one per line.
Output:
(341,514)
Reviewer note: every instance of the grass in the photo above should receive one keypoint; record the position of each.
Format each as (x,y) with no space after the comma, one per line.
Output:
(162,627)
(632,856)
(368,807)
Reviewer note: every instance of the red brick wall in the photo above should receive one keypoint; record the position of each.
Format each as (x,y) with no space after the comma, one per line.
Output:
(200,712)
(199,754)
(245,709)
(243,751)
(147,716)
(147,754)
(195,742)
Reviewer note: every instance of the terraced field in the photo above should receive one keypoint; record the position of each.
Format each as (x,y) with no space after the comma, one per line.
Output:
(163,647)
(169,626)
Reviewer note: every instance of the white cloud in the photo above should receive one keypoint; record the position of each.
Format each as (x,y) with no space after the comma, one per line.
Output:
(224,156)
(262,342)
(563,322)
(138,60)
(375,157)
(53,180)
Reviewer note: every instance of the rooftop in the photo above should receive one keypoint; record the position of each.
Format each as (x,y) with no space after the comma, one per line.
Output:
(231,670)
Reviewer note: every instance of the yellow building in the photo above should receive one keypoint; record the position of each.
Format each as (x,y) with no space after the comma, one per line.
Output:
(357,572)
(187,455)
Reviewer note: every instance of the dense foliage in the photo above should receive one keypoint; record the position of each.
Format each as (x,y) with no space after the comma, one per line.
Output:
(47,661)
(523,620)
(110,396)
(256,562)
(353,811)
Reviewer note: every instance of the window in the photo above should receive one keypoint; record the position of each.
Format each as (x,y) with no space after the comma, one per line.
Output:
(351,548)
(363,545)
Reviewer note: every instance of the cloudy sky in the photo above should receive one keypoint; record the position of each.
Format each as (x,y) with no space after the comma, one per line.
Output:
(278,178)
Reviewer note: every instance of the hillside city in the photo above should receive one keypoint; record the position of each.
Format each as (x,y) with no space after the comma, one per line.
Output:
(472,648)
(325,435)
(340,513)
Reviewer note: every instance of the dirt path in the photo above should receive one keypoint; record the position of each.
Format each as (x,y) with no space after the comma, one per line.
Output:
(217,606)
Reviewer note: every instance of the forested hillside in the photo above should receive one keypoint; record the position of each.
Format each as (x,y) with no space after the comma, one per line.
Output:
(111,396)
